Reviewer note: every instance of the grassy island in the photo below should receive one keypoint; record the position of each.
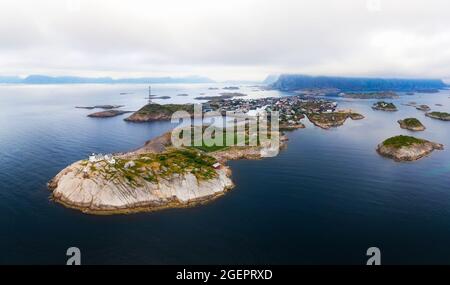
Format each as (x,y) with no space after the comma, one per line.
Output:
(412,124)
(334,119)
(406,148)
(439,115)
(157,112)
(402,141)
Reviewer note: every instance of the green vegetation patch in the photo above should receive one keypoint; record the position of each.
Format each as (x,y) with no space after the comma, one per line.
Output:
(402,141)
(230,138)
(168,109)
(152,167)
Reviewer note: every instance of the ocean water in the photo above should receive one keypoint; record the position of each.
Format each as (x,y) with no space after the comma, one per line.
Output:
(324,200)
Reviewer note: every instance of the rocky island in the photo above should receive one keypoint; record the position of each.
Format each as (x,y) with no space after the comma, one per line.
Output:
(334,119)
(439,116)
(156,112)
(108,113)
(424,108)
(384,106)
(406,148)
(411,124)
(155,176)
(159,97)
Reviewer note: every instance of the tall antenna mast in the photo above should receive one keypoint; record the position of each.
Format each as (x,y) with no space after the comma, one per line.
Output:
(149,94)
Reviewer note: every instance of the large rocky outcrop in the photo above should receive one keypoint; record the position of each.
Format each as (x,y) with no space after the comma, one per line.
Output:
(155,176)
(94,194)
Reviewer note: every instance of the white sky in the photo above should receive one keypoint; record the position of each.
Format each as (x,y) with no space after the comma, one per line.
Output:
(232,39)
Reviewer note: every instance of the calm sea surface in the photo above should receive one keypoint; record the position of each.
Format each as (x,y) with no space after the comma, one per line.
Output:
(324,200)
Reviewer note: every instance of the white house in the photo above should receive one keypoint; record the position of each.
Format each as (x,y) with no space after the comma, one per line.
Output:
(99,157)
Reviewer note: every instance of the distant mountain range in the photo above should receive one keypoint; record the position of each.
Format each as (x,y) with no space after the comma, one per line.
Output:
(44,79)
(292,82)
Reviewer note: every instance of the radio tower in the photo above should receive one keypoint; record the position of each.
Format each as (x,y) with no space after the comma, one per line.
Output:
(149,95)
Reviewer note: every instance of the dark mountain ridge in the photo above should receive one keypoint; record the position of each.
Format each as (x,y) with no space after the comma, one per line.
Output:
(292,82)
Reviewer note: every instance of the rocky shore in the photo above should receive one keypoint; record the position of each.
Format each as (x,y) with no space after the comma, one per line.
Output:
(406,148)
(411,124)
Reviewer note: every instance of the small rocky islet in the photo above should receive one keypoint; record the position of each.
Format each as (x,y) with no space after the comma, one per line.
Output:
(407,148)
(423,108)
(411,124)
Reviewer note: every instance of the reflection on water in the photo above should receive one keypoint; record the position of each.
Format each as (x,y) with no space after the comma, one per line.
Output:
(325,199)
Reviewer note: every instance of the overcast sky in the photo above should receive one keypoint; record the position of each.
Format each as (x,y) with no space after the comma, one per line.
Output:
(232,39)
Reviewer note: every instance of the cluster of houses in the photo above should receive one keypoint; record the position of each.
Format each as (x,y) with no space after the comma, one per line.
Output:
(100,157)
(290,108)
